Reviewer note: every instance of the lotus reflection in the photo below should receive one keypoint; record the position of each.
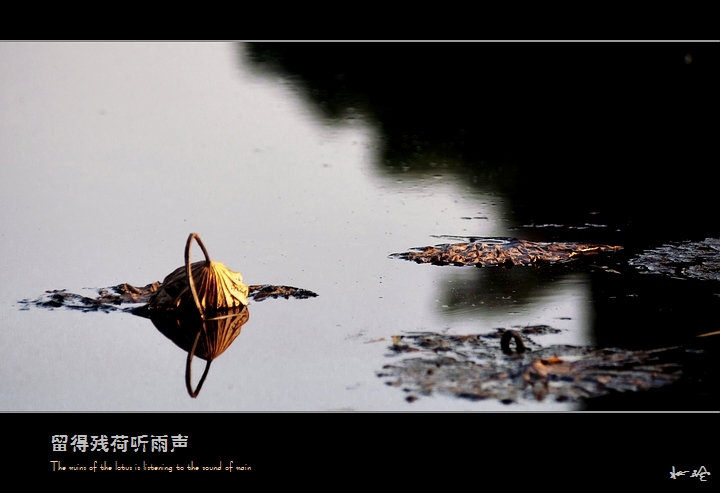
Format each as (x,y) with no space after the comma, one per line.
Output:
(207,339)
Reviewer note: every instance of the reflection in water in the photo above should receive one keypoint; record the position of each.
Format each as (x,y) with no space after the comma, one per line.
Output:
(547,127)
(511,294)
(207,339)
(476,301)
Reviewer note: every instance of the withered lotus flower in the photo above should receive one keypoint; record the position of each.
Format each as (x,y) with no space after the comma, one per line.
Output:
(209,285)
(220,298)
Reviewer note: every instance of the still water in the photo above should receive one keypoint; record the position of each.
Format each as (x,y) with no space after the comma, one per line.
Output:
(112,153)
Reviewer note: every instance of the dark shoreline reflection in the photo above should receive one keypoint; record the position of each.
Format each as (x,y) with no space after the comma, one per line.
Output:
(610,143)
(560,129)
(616,135)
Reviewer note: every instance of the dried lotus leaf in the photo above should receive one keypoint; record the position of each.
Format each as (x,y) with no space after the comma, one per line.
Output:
(216,287)
(502,252)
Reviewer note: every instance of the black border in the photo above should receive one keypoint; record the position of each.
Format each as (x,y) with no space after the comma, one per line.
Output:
(482,448)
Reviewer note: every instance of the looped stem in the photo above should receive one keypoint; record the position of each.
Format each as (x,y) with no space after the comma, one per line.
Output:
(201,311)
(505,342)
(188,367)
(188,270)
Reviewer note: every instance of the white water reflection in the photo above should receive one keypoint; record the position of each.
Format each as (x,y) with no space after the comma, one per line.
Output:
(564,302)
(111,153)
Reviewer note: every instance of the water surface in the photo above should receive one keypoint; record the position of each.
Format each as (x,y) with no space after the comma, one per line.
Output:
(112,153)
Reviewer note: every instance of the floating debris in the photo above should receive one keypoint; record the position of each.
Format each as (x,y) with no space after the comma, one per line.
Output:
(108,299)
(502,252)
(563,226)
(127,293)
(218,287)
(605,268)
(112,298)
(264,291)
(684,260)
(474,367)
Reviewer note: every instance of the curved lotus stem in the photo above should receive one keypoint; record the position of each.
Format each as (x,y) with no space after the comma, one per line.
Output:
(188,270)
(505,342)
(717,332)
(188,367)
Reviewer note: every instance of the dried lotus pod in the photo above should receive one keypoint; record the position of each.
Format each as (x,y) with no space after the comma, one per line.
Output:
(209,285)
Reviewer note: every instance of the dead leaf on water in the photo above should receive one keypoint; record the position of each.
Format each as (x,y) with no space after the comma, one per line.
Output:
(502,252)
(474,367)
(217,288)
(685,260)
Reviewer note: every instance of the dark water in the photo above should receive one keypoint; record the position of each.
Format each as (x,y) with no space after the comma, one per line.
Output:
(307,165)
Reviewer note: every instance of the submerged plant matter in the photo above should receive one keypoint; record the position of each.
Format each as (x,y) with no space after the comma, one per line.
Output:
(685,260)
(503,252)
(474,367)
